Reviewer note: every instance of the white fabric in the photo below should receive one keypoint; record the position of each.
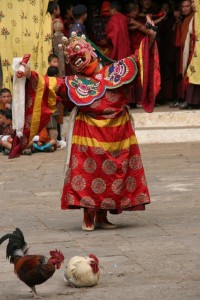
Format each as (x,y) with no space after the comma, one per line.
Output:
(62,144)
(36,138)
(18,103)
(186,50)
(69,133)
(5,138)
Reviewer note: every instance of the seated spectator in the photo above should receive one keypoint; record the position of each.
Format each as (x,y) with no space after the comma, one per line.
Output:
(42,142)
(6,139)
(5,98)
(8,132)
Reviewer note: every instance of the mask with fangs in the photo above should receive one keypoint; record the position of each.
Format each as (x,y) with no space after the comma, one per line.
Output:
(78,52)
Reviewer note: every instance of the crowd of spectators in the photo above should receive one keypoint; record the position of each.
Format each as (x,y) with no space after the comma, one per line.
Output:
(117,28)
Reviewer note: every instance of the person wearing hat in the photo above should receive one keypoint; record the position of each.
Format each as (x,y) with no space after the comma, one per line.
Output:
(80,15)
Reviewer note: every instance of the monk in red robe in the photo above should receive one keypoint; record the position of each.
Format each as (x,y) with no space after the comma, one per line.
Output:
(117,33)
(138,34)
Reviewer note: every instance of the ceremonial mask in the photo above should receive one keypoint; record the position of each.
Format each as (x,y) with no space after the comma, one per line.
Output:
(78,52)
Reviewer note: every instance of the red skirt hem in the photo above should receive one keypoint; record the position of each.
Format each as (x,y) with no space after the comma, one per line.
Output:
(112,211)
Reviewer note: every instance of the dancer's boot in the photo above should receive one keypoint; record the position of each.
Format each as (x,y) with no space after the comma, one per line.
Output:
(102,222)
(88,220)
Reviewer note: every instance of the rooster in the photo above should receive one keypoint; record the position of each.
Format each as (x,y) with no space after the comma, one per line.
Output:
(82,271)
(31,269)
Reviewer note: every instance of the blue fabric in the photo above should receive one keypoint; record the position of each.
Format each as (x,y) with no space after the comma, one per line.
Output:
(78,28)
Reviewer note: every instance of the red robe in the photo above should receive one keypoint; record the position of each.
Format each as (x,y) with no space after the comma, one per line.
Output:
(180,38)
(136,36)
(118,36)
(104,169)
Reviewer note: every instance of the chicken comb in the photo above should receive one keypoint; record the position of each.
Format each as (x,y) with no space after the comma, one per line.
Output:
(57,254)
(91,255)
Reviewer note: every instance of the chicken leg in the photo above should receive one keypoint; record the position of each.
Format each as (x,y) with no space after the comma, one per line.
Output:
(35,295)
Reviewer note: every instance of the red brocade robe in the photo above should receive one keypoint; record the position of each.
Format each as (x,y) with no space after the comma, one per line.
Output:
(103,168)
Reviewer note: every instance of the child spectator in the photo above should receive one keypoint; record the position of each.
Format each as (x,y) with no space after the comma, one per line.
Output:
(57,117)
(5,98)
(42,142)
(52,71)
(54,10)
(8,132)
(53,60)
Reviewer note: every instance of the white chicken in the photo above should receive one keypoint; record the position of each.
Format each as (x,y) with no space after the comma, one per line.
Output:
(82,271)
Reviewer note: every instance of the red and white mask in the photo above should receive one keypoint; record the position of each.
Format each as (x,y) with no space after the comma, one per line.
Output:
(78,52)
